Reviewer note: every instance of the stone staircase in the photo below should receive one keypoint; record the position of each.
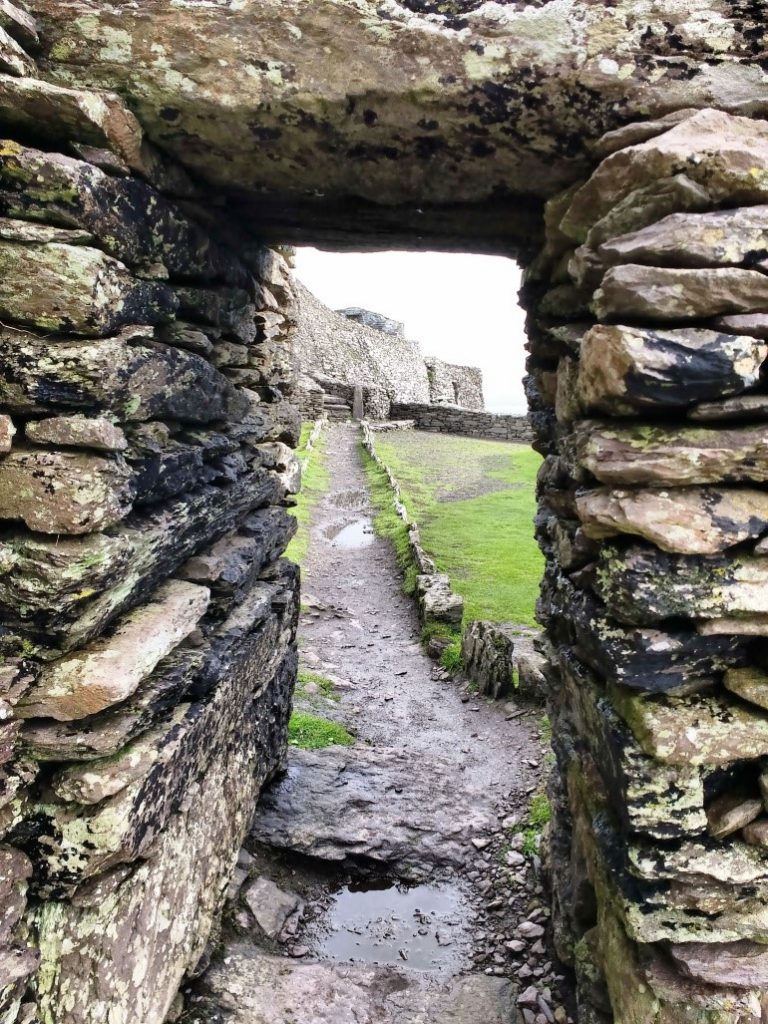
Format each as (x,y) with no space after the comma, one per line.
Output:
(336,409)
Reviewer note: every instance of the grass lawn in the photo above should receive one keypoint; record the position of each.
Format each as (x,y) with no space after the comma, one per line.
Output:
(315,483)
(474,502)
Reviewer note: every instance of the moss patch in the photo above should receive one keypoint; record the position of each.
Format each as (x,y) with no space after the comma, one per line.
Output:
(312,733)
(474,501)
(314,484)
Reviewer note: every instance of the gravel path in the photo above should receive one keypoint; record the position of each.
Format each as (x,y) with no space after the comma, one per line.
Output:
(431,793)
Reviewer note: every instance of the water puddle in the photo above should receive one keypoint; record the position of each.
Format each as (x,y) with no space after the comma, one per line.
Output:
(358,534)
(423,927)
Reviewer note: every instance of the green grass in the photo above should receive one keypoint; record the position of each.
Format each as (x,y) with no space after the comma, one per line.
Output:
(312,733)
(474,501)
(451,659)
(315,483)
(539,815)
(387,523)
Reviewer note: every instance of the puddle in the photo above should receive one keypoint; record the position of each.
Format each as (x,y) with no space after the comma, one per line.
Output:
(358,534)
(423,927)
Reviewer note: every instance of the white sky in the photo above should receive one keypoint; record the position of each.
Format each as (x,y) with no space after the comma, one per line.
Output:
(460,308)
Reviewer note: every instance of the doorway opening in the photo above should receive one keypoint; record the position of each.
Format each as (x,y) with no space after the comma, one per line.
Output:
(403,843)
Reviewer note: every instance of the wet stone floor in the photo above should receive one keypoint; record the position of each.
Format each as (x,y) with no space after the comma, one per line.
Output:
(387,882)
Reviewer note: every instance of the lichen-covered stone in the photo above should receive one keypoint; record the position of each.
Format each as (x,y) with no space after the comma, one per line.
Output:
(240,741)
(627,455)
(632,291)
(129,219)
(431,90)
(97,780)
(669,659)
(59,287)
(127,375)
(735,964)
(110,669)
(77,432)
(689,520)
(623,370)
(488,653)
(64,491)
(720,238)
(648,797)
(98,118)
(705,729)
(724,154)
(437,601)
(69,590)
(642,585)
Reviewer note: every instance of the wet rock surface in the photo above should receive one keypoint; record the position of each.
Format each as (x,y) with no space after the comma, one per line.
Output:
(422,899)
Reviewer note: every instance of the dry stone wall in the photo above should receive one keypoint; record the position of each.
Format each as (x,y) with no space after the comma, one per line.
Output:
(148,621)
(445,419)
(648,341)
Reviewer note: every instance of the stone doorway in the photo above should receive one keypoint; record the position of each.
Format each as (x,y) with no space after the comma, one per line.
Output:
(164,519)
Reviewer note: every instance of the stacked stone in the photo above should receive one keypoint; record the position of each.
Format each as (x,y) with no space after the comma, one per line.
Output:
(450,384)
(647,384)
(148,621)
(445,419)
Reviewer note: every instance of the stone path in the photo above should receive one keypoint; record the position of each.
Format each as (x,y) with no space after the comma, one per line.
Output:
(430,793)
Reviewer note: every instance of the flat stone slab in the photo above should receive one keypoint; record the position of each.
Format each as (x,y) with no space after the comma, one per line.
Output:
(374,803)
(250,987)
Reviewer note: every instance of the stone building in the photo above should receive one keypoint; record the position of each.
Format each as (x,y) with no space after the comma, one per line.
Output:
(338,350)
(620,152)
(454,385)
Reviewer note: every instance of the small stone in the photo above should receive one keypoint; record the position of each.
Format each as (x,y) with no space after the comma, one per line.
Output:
(740,407)
(530,930)
(481,842)
(64,491)
(690,520)
(750,684)
(7,431)
(514,859)
(529,997)
(730,812)
(270,906)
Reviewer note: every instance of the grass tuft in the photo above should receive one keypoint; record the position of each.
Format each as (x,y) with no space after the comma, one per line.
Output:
(315,483)
(387,523)
(327,689)
(451,659)
(312,733)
